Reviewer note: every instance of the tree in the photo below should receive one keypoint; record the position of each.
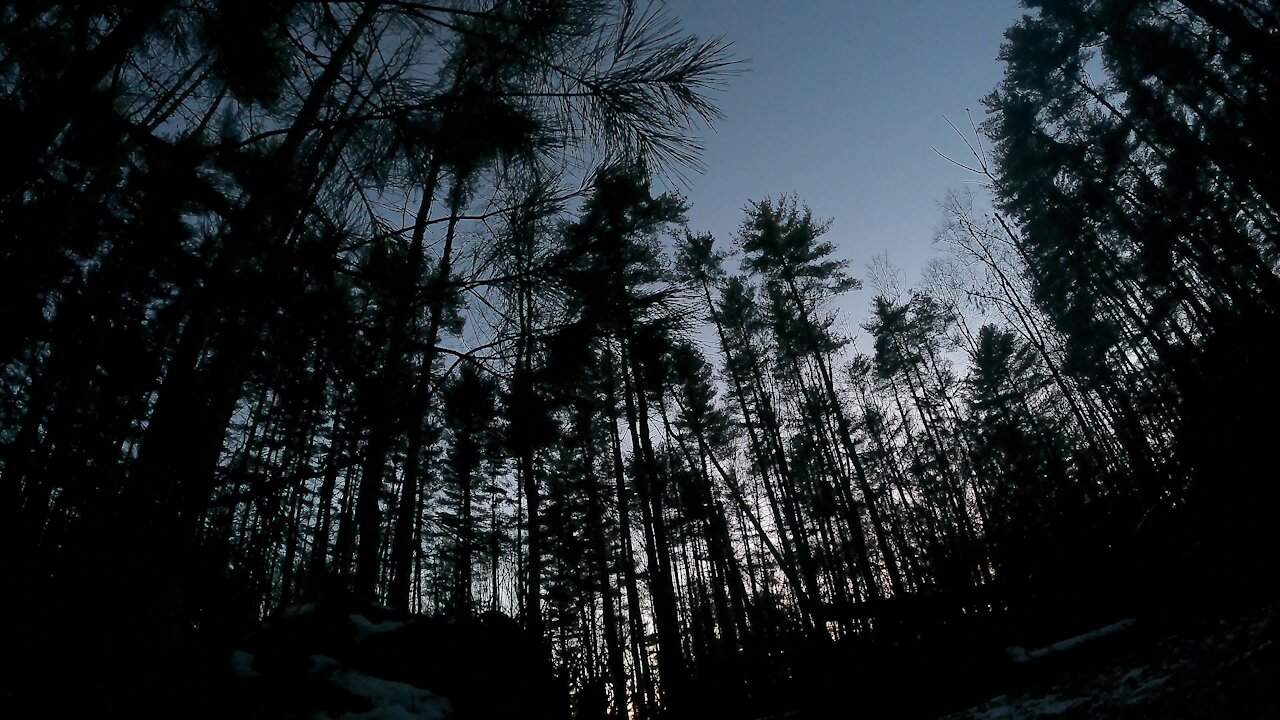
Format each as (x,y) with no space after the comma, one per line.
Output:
(202,245)
(470,416)
(782,243)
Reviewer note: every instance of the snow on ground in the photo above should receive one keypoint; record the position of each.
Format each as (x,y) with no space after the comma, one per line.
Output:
(365,627)
(1003,708)
(390,700)
(1118,687)
(387,699)
(1229,670)
(242,664)
(299,610)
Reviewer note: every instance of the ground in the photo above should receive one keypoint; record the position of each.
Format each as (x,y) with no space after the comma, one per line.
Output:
(1228,668)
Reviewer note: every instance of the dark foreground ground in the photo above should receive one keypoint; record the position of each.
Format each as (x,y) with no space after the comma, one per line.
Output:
(1212,654)
(1228,667)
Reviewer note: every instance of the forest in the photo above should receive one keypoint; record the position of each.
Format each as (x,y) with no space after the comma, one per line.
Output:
(380,311)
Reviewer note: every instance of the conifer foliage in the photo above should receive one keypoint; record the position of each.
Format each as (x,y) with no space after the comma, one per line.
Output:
(380,301)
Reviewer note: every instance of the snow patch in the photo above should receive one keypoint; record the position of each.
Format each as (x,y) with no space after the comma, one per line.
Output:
(323,663)
(1148,686)
(1002,708)
(242,664)
(366,628)
(1053,706)
(296,610)
(390,700)
(1134,674)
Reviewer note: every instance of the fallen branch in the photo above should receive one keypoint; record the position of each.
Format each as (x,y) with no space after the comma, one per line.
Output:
(1020,654)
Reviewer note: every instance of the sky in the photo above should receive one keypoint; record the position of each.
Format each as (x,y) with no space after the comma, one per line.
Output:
(842,103)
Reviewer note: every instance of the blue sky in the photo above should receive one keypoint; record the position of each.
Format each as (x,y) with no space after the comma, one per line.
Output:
(842,103)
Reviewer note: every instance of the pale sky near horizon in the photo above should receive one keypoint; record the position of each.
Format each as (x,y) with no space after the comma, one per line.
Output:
(842,103)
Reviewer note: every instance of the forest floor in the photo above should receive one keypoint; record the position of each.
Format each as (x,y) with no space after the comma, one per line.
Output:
(1222,668)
